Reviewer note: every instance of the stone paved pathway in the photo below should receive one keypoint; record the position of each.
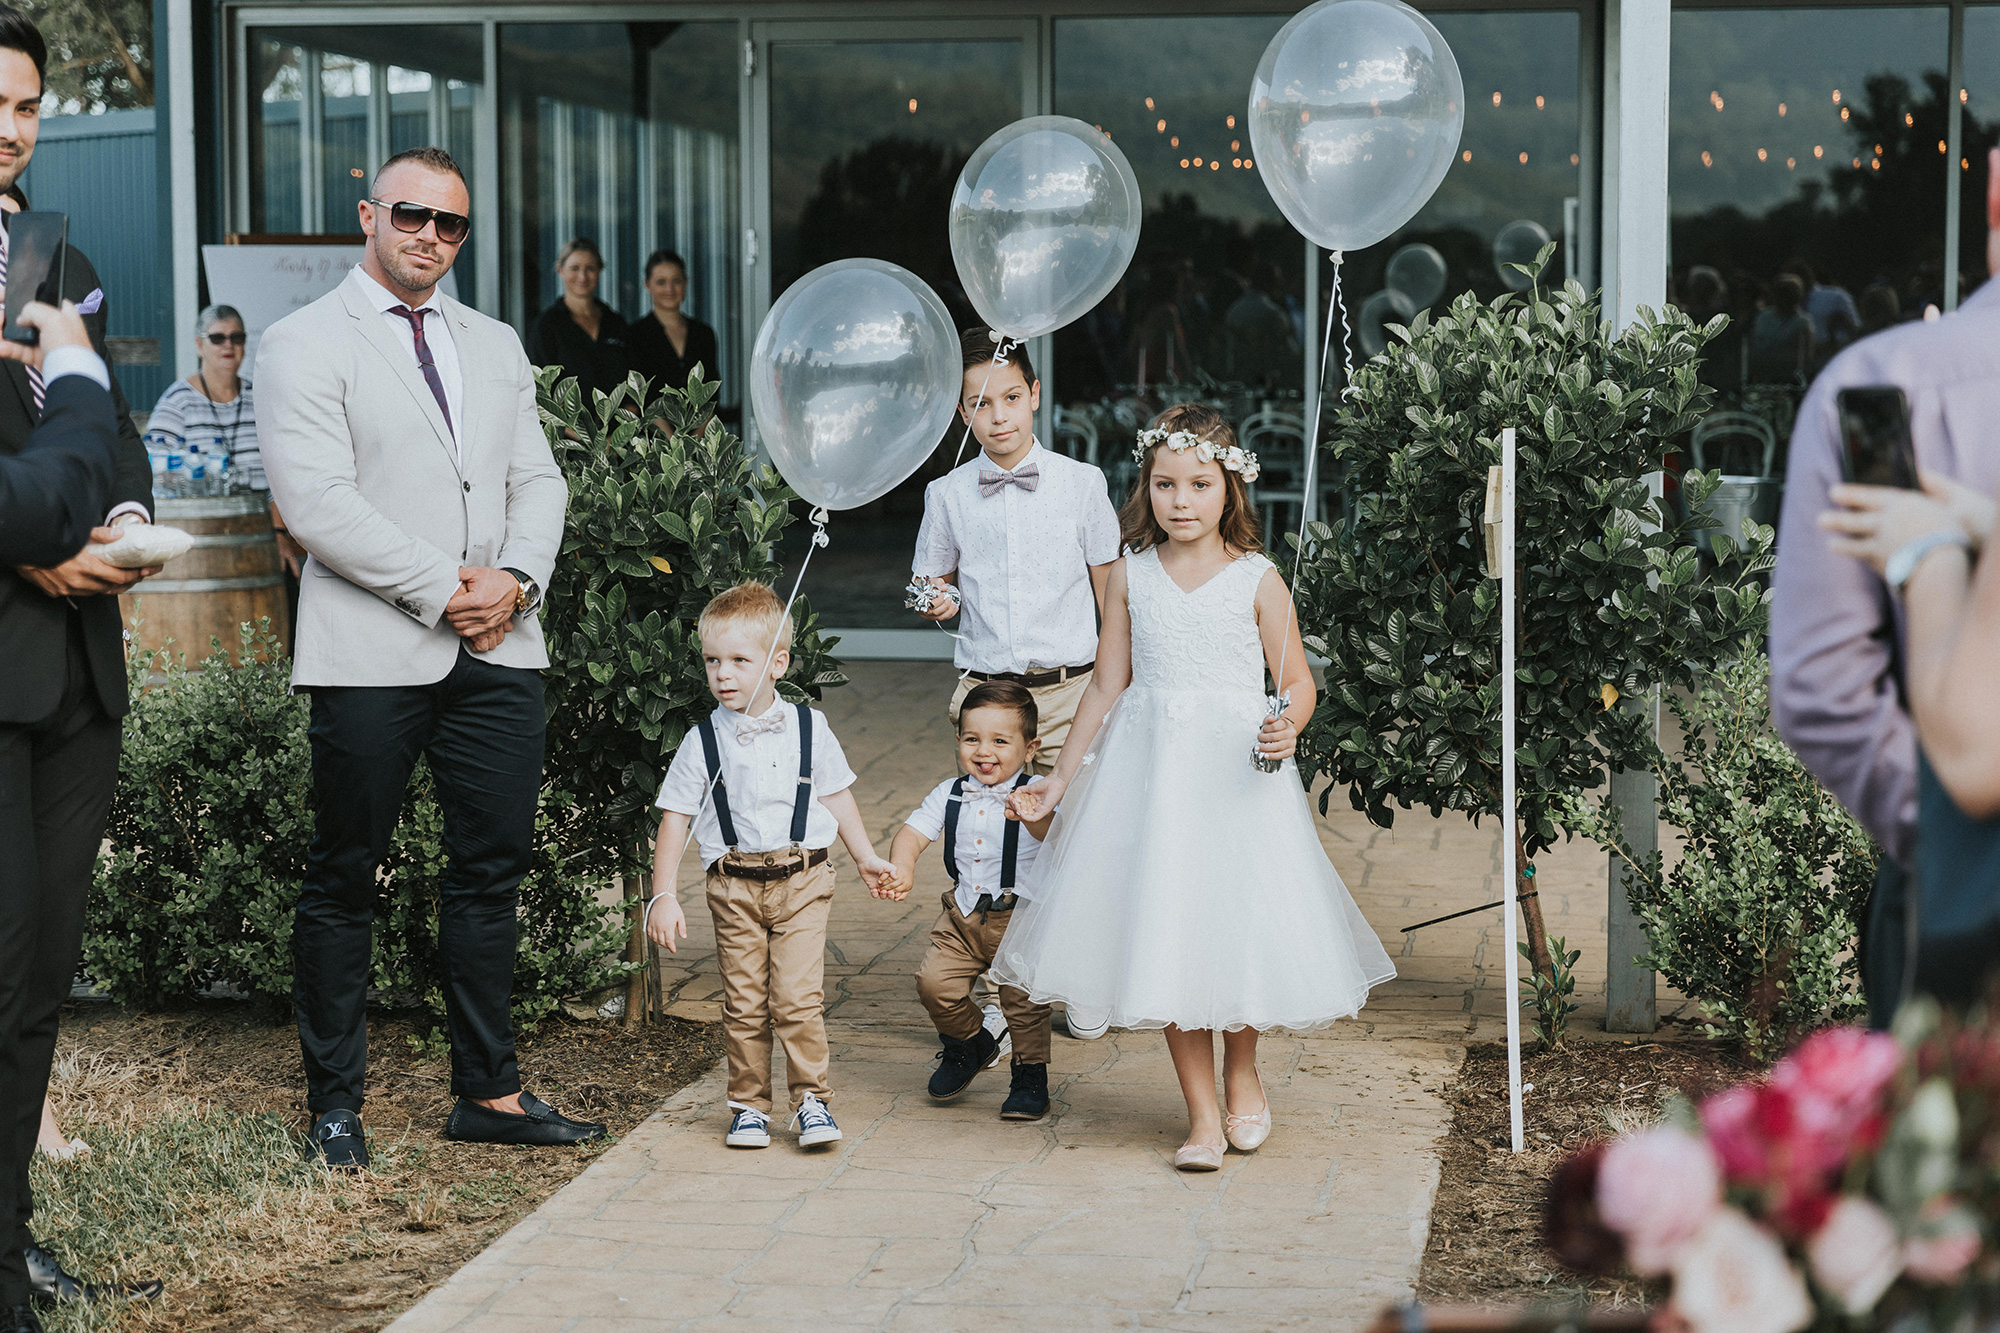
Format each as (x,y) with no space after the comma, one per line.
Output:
(943,1218)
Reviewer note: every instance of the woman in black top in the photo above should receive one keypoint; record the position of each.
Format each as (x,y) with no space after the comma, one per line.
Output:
(580,333)
(665,344)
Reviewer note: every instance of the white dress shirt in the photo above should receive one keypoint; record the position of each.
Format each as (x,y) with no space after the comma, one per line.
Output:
(437,334)
(1023,561)
(982,832)
(762,781)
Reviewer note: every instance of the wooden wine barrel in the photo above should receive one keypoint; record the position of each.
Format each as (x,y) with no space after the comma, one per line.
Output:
(232,575)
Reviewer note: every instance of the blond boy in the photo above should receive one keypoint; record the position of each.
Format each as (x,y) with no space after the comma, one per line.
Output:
(767,789)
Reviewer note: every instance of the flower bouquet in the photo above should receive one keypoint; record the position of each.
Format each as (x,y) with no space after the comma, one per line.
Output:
(1855,1188)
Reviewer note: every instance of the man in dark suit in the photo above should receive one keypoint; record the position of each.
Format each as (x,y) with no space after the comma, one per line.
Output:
(62,693)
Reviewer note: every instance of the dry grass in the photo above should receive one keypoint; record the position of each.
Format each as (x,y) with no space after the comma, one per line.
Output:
(1485,1242)
(197,1177)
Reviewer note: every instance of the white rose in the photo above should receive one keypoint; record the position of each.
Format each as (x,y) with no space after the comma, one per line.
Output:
(1854,1255)
(1733,1277)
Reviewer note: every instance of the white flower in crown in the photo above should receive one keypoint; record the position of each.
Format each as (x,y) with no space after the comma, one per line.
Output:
(1235,458)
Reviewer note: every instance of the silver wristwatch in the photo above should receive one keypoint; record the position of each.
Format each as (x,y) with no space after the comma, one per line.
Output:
(1903,562)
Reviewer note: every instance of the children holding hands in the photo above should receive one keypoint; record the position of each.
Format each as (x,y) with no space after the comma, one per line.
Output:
(986,855)
(1029,536)
(767,788)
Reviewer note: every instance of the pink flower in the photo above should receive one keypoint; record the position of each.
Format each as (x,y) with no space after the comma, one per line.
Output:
(1737,1132)
(1765,1139)
(1941,1256)
(1855,1255)
(1657,1188)
(1733,1277)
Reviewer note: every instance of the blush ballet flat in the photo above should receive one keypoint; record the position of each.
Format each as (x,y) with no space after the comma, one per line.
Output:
(1246,1133)
(1198,1157)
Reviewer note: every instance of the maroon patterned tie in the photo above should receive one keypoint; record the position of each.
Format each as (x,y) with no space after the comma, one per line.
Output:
(426,361)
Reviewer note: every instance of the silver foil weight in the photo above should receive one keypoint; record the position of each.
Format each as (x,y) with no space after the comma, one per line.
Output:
(923,596)
(1258,759)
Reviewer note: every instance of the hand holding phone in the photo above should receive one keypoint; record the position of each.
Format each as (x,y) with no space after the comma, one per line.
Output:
(53,328)
(37,244)
(1876,449)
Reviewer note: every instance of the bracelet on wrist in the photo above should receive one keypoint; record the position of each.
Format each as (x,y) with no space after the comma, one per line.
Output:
(1904,561)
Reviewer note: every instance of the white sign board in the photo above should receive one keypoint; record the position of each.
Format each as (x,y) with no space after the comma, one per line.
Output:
(267,282)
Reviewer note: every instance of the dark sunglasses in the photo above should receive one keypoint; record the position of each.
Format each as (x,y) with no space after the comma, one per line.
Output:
(451,227)
(239,338)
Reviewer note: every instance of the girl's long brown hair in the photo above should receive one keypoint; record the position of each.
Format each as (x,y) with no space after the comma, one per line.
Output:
(1239,529)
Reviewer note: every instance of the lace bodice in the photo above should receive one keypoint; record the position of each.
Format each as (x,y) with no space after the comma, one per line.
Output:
(1200,640)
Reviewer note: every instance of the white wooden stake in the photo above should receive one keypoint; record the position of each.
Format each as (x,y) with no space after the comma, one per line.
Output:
(1508,870)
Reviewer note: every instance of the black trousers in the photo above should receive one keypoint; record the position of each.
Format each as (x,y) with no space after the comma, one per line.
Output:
(482,728)
(56,781)
(1885,943)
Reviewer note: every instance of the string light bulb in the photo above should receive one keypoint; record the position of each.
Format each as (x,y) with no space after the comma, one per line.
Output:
(1149,104)
(1160,126)
(1782,108)
(1236,162)
(1215,164)
(1524,159)
(1843,113)
(1819,150)
(1909,119)
(1540,101)
(1962,94)
(1941,147)
(1197,161)
(1230,122)
(1235,145)
(1574,159)
(1707,159)
(1248,163)
(1836,97)
(1715,99)
(1763,156)
(1174,142)
(913,106)
(1496,99)
(1791,162)
(1184,163)
(1465,156)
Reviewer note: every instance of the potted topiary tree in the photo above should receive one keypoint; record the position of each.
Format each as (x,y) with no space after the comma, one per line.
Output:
(1615,601)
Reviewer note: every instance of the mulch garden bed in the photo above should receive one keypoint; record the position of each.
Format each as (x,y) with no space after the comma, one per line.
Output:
(197,1116)
(1485,1241)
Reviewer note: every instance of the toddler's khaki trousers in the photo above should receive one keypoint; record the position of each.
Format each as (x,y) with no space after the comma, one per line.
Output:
(770,944)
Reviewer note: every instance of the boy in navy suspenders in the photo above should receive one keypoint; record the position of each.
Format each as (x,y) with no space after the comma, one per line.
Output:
(986,855)
(767,788)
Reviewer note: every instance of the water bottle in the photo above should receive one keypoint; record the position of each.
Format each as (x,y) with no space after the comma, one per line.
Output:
(173,483)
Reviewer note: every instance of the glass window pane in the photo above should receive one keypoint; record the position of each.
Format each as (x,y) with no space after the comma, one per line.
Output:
(1981,100)
(624,135)
(329,104)
(1808,186)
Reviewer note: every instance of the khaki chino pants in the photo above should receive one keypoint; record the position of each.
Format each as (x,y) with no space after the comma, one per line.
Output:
(962,948)
(770,945)
(1055,709)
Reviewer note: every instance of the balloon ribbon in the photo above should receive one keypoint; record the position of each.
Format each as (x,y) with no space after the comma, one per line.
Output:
(1002,344)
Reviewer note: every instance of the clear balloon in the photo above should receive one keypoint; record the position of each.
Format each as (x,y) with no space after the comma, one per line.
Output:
(1043,222)
(853,380)
(1518,243)
(1418,272)
(1355,115)
(1376,314)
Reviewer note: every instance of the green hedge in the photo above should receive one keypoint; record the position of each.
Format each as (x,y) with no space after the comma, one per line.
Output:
(212,819)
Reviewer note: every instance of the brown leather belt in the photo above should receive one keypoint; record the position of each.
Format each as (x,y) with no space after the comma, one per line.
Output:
(739,865)
(1035,680)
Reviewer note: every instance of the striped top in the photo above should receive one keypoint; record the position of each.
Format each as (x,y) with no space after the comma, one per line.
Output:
(185,416)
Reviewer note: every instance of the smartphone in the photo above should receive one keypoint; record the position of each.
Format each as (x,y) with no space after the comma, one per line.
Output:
(35,250)
(1875,437)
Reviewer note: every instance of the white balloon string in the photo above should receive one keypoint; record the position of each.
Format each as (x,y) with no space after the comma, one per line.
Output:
(1000,348)
(1312,455)
(819,539)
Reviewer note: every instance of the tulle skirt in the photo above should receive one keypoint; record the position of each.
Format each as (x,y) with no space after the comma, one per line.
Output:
(1180,885)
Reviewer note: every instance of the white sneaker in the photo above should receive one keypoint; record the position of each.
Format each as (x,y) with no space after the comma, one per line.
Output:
(749,1129)
(996,1023)
(1074,1025)
(814,1123)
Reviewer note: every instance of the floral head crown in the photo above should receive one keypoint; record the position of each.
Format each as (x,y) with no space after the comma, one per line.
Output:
(1234,457)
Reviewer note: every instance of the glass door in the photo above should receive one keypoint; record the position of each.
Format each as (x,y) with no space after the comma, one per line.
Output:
(860,131)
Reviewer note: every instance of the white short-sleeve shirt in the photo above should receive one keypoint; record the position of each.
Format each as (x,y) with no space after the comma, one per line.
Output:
(762,778)
(982,829)
(1023,561)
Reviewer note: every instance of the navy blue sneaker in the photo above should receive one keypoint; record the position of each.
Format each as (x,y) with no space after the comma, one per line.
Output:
(814,1123)
(749,1129)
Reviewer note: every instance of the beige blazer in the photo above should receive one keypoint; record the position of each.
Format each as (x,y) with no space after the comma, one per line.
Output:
(371,482)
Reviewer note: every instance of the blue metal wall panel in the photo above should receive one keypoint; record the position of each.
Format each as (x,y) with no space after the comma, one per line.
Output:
(99,170)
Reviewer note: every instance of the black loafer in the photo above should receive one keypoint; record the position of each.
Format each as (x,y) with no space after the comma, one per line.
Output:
(337,1140)
(20,1319)
(52,1285)
(539,1124)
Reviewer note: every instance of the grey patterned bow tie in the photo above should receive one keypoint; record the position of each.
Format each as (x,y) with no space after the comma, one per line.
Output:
(1027,478)
(750,728)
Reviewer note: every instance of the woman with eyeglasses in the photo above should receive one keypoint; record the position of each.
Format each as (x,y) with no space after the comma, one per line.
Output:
(580,333)
(213,408)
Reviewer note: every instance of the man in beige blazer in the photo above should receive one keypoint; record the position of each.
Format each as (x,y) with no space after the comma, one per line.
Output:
(405,452)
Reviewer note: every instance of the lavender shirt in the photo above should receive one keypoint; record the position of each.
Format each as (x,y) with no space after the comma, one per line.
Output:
(1835,630)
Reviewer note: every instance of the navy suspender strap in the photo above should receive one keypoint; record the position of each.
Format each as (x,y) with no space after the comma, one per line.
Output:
(721,793)
(802,806)
(951,828)
(1010,846)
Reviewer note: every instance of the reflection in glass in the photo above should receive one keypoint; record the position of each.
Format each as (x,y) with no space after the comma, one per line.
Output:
(329,105)
(624,134)
(1981,133)
(1807,178)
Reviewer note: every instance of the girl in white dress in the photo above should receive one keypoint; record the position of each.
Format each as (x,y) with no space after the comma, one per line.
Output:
(1181,887)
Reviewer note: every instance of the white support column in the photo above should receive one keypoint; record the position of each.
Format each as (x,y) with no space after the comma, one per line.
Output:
(1637,42)
(181,164)
(1637,48)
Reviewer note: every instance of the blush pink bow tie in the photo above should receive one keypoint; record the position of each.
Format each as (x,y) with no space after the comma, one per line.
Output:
(750,728)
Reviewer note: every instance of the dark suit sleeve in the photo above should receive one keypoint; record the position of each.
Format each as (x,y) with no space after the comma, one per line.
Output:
(58,487)
(133,482)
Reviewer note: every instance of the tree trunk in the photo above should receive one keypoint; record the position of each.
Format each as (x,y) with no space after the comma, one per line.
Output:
(1531,910)
(635,947)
